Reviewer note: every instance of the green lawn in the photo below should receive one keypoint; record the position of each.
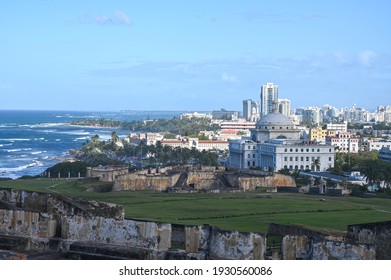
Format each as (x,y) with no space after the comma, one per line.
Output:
(249,211)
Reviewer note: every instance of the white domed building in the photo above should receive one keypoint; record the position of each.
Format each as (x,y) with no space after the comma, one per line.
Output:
(275,144)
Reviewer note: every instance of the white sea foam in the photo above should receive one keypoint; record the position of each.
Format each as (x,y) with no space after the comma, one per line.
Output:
(76,132)
(38,152)
(13,150)
(22,167)
(42,125)
(14,139)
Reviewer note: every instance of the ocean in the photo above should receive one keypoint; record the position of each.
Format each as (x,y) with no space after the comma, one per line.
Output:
(32,141)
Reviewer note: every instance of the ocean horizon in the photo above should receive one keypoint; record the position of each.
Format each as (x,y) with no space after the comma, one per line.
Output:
(33,140)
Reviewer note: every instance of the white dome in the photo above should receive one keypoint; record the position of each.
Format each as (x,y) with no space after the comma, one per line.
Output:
(275,119)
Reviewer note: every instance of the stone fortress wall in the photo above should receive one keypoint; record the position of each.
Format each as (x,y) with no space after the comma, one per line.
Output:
(199,179)
(87,229)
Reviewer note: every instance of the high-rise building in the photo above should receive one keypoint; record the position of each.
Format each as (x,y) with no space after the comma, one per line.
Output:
(284,107)
(251,110)
(269,94)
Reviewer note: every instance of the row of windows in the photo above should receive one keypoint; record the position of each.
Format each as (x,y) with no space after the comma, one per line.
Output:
(302,158)
(275,128)
(302,150)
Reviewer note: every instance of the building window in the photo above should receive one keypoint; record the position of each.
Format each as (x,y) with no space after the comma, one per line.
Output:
(291,158)
(286,150)
(302,150)
(308,150)
(296,158)
(307,158)
(302,159)
(253,155)
(329,158)
(318,150)
(291,150)
(285,158)
(248,156)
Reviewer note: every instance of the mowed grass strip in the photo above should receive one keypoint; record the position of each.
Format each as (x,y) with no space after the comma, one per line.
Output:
(246,211)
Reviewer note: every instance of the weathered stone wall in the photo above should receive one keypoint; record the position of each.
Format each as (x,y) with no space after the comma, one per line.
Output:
(296,247)
(334,250)
(147,235)
(305,248)
(25,223)
(197,239)
(237,245)
(377,234)
(135,181)
(202,180)
(277,180)
(58,205)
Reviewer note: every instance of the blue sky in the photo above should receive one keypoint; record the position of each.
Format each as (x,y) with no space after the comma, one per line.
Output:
(192,55)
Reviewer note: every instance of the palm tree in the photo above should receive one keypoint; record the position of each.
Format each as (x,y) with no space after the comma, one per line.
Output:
(316,164)
(373,171)
(114,137)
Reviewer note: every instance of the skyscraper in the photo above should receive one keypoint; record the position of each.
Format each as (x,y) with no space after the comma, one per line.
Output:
(284,107)
(251,110)
(269,94)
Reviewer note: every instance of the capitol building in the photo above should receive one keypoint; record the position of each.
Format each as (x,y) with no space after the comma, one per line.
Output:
(275,144)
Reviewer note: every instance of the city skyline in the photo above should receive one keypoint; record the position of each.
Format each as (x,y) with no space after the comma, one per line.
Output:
(198,56)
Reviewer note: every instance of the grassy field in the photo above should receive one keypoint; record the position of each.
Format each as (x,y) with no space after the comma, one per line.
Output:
(249,211)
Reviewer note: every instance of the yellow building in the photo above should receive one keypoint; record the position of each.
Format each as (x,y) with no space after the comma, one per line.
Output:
(319,134)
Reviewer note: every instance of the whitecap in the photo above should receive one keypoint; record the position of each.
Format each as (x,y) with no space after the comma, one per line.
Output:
(13,150)
(76,132)
(42,125)
(14,139)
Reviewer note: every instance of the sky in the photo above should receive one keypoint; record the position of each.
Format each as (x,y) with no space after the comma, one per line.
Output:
(203,55)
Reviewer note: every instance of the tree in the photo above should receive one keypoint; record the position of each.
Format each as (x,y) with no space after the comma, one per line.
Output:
(114,137)
(373,171)
(316,164)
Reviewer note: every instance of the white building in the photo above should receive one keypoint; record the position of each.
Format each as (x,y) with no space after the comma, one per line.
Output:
(269,95)
(344,142)
(340,127)
(251,110)
(284,107)
(201,145)
(275,144)
(375,144)
(240,124)
(312,115)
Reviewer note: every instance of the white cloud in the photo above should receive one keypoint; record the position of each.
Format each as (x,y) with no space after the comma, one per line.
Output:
(366,58)
(229,78)
(122,18)
(118,18)
(4,87)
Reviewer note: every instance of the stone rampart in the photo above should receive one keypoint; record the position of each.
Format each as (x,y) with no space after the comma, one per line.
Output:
(135,181)
(59,205)
(139,234)
(236,245)
(22,223)
(68,225)
(377,234)
(277,180)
